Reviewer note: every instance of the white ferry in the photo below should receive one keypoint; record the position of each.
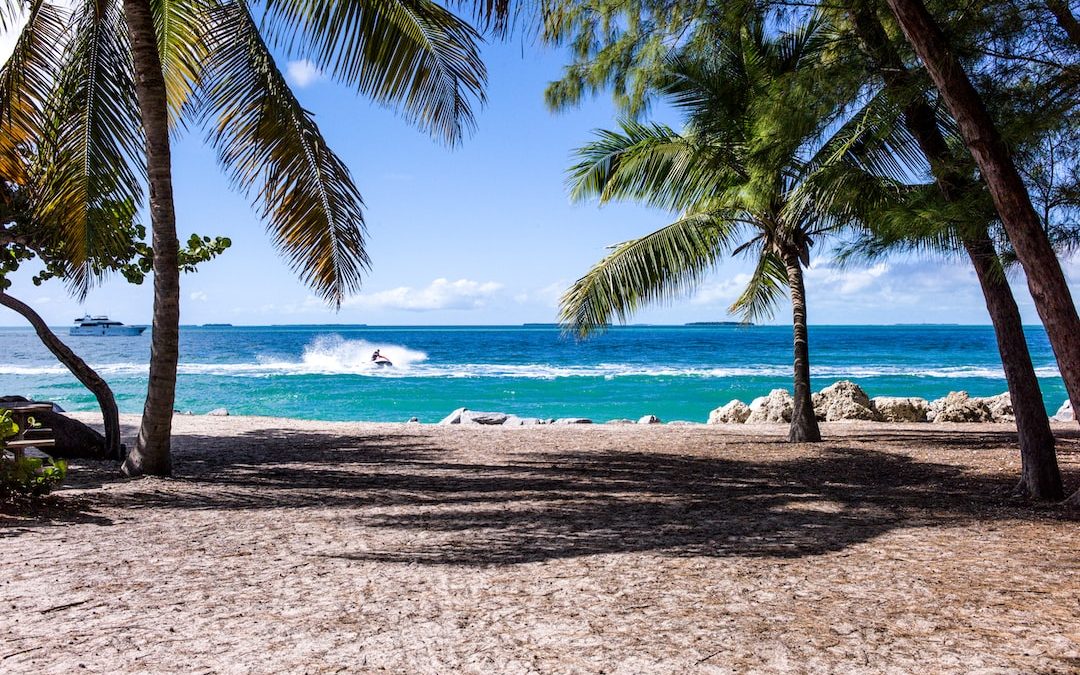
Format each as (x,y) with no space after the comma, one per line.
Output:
(101,325)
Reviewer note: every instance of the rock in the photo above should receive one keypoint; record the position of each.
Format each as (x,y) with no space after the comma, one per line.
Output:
(1065,414)
(218,412)
(734,412)
(454,417)
(475,417)
(620,421)
(649,419)
(413,420)
(843,400)
(682,423)
(774,408)
(959,407)
(515,421)
(74,440)
(901,408)
(1000,406)
(573,420)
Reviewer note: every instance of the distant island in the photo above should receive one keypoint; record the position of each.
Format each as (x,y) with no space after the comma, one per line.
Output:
(217,325)
(720,323)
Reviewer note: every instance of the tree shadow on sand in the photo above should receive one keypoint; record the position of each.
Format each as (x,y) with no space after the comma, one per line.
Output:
(527,507)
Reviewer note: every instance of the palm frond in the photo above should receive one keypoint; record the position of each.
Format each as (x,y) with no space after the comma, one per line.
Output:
(25,84)
(658,267)
(409,54)
(92,147)
(273,150)
(182,46)
(763,292)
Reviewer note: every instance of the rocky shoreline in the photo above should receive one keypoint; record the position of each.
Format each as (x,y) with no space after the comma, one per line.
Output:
(839,402)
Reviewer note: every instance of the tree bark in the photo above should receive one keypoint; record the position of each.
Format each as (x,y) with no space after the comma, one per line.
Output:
(1046,281)
(1040,476)
(804,425)
(1065,19)
(152,453)
(79,368)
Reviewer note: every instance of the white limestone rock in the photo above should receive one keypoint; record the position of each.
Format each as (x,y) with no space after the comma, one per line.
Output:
(901,408)
(620,422)
(733,412)
(218,412)
(453,418)
(959,407)
(573,420)
(477,418)
(649,419)
(1065,413)
(1000,406)
(515,421)
(843,400)
(774,408)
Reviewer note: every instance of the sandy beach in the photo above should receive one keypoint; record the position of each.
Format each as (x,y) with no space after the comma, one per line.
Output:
(311,547)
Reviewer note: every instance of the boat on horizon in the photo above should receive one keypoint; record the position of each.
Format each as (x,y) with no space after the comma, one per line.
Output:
(103,326)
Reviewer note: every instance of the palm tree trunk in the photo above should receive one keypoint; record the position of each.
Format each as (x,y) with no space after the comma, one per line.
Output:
(82,372)
(804,425)
(152,454)
(1045,279)
(1040,477)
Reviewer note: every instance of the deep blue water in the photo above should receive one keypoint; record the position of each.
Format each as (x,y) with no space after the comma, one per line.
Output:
(324,372)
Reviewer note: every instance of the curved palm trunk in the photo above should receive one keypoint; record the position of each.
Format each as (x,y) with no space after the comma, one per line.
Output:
(82,372)
(1045,279)
(804,425)
(152,453)
(1040,477)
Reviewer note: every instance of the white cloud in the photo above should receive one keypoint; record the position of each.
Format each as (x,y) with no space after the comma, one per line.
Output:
(844,281)
(302,73)
(439,294)
(721,290)
(199,295)
(548,296)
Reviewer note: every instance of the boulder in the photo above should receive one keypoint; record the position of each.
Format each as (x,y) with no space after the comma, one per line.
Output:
(1000,406)
(734,412)
(573,420)
(515,421)
(475,417)
(1065,413)
(959,407)
(74,440)
(413,420)
(620,421)
(901,408)
(843,400)
(218,412)
(774,408)
(453,418)
(649,419)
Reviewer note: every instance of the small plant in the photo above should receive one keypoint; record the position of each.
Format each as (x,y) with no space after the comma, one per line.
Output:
(25,476)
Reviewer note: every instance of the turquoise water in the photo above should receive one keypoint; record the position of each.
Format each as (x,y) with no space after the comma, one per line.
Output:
(676,373)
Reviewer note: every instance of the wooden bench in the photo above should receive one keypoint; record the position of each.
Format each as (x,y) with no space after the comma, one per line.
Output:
(28,437)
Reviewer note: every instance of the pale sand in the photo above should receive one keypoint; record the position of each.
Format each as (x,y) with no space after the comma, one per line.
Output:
(290,547)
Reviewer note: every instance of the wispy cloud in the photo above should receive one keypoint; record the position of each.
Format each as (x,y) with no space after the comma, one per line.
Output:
(199,296)
(440,294)
(302,73)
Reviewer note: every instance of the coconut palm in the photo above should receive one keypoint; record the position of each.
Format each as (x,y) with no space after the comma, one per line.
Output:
(102,87)
(762,126)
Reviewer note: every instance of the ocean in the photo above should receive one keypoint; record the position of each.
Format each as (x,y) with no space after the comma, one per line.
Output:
(673,372)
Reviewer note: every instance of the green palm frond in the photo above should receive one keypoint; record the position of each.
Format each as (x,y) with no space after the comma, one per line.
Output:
(92,147)
(764,291)
(182,46)
(410,54)
(25,84)
(273,150)
(658,267)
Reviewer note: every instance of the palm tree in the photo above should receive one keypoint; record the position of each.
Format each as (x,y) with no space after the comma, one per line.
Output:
(105,86)
(758,134)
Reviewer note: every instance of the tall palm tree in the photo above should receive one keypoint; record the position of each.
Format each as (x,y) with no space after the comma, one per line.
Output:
(762,124)
(104,86)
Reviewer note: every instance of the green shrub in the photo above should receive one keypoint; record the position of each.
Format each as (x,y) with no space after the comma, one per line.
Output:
(27,476)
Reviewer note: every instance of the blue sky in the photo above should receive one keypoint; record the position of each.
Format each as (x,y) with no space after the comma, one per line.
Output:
(480,234)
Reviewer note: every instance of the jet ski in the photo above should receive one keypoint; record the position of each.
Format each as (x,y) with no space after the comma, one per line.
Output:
(380,360)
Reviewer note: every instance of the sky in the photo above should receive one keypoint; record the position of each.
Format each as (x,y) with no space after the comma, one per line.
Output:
(484,233)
